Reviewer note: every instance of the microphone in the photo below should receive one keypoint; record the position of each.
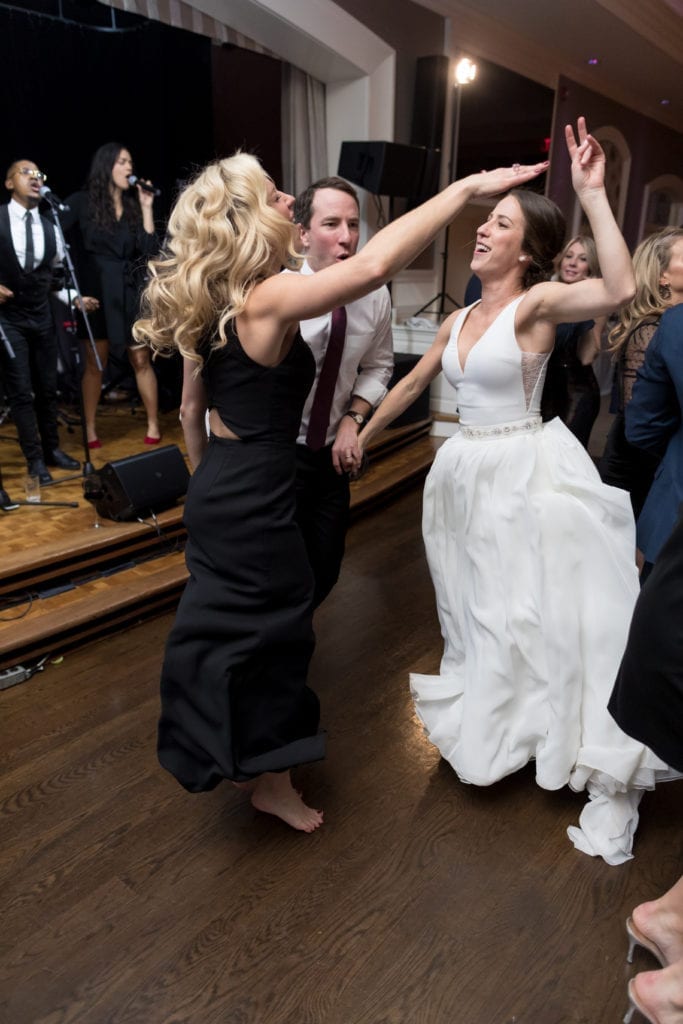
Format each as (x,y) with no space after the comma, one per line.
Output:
(53,200)
(134,180)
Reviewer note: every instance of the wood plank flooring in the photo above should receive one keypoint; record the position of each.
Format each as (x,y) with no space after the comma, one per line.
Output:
(125,900)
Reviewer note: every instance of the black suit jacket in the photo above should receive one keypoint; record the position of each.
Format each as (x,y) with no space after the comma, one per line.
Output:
(31,290)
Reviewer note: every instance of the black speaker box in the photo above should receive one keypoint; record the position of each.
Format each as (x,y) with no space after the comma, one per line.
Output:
(139,485)
(419,410)
(385,168)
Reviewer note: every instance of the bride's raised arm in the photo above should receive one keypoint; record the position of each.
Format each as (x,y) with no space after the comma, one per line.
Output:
(593,296)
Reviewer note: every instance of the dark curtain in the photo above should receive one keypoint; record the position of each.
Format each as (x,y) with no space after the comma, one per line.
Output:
(67,89)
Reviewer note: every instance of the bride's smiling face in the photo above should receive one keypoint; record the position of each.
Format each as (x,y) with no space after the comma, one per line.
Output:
(499,240)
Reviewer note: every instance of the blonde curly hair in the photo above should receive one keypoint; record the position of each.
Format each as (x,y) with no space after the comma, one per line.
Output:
(223,238)
(650,260)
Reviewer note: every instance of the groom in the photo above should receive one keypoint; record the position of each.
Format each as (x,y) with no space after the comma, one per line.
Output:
(353,349)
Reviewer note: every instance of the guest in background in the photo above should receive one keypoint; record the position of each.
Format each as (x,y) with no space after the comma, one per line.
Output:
(30,254)
(647,703)
(112,227)
(623,464)
(571,383)
(654,419)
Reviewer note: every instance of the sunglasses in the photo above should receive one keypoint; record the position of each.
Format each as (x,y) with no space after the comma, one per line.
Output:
(31,172)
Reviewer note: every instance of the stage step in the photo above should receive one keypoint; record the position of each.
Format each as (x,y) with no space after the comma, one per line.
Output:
(60,595)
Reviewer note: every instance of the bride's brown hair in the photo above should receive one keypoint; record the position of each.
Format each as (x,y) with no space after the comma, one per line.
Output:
(544,233)
(223,238)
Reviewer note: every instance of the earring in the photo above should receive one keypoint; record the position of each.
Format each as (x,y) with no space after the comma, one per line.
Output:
(665,290)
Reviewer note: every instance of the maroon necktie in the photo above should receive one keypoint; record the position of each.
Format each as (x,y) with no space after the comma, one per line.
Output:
(324,393)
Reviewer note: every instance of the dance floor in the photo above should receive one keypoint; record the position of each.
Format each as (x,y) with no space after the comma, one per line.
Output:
(421,900)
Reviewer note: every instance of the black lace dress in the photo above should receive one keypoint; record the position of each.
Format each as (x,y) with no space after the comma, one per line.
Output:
(622,464)
(233,691)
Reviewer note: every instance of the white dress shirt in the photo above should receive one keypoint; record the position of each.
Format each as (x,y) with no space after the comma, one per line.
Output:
(367,360)
(17,223)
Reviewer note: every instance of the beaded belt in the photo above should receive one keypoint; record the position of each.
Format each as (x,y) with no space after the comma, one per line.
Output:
(528,426)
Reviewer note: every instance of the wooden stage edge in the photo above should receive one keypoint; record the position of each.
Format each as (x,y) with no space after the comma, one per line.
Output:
(64,582)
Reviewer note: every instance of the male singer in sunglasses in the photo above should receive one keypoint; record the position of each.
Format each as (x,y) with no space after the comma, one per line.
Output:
(30,252)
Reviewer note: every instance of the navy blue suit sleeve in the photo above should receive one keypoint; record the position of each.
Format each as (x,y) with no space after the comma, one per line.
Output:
(654,413)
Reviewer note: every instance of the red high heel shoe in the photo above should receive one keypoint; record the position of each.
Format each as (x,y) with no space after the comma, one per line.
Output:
(96,443)
(151,440)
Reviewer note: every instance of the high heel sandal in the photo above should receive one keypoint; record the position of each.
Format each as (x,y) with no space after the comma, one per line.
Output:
(634,1005)
(636,938)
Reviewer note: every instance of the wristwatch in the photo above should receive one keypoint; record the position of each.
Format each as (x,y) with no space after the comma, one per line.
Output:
(357,417)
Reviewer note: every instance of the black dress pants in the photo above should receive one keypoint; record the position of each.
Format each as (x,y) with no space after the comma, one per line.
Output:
(30,381)
(322,512)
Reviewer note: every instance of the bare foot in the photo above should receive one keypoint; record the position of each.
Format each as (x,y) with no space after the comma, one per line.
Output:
(245,785)
(660,994)
(663,927)
(274,794)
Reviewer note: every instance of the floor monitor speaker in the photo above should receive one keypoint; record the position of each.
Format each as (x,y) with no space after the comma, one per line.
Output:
(138,485)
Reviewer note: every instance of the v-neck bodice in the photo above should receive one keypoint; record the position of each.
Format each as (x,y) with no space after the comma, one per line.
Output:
(499,382)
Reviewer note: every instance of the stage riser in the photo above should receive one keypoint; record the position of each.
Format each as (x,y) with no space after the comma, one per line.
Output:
(107,583)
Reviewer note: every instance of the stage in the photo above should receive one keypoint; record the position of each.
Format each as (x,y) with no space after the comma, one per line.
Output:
(64,581)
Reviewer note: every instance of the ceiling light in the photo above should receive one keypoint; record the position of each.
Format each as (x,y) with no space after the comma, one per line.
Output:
(465,71)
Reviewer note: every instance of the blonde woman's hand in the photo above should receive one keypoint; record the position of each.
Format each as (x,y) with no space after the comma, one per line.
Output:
(587,157)
(492,183)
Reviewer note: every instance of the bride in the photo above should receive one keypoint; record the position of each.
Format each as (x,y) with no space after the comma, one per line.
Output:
(531,556)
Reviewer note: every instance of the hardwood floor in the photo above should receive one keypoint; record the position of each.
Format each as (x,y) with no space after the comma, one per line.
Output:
(125,900)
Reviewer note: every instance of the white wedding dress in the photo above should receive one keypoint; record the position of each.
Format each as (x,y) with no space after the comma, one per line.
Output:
(532,559)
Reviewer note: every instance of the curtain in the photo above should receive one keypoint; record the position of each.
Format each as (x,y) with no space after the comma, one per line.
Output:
(304,130)
(183,15)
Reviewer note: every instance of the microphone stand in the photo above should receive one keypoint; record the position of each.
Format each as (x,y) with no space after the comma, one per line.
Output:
(55,208)
(6,342)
